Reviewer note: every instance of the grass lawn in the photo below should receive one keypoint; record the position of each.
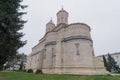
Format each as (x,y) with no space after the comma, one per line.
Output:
(31,76)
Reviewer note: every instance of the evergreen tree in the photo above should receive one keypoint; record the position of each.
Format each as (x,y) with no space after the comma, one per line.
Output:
(105,63)
(112,64)
(10,24)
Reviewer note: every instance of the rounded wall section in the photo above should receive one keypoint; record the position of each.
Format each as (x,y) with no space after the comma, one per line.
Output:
(77,53)
(77,29)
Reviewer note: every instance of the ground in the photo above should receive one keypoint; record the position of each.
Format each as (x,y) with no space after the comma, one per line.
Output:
(31,76)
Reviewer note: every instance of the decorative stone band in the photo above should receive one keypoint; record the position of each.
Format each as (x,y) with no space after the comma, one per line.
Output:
(76,37)
(75,67)
(35,53)
(50,43)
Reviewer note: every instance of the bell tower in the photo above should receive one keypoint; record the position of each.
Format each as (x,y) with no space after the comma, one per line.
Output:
(62,17)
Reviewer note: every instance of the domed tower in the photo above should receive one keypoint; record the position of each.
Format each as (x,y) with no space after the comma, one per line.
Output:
(50,26)
(62,17)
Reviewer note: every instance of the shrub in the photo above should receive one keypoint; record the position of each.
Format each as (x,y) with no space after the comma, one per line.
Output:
(30,71)
(38,71)
(24,70)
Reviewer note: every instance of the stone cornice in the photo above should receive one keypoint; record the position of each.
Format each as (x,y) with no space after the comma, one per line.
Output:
(80,24)
(35,53)
(40,41)
(50,43)
(76,37)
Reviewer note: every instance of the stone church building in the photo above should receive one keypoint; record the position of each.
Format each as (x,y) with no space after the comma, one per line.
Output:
(65,49)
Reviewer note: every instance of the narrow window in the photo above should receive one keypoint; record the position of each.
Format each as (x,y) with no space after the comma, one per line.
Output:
(53,52)
(44,55)
(30,64)
(35,61)
(93,52)
(77,49)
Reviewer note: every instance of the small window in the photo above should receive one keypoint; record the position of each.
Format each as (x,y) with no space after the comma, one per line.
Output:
(91,45)
(58,20)
(53,52)
(93,52)
(30,64)
(44,55)
(77,49)
(66,19)
(35,61)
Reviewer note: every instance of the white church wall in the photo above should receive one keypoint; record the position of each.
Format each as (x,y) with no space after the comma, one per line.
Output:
(67,49)
(72,59)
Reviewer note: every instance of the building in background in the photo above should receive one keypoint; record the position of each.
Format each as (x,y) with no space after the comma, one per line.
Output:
(16,63)
(65,49)
(116,57)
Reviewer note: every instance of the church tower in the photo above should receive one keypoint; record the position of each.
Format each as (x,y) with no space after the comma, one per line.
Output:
(62,17)
(50,26)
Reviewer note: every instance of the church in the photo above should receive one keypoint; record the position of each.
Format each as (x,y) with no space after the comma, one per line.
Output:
(65,49)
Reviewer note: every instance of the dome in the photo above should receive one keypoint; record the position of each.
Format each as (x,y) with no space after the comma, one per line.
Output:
(62,10)
(62,17)
(51,22)
(50,26)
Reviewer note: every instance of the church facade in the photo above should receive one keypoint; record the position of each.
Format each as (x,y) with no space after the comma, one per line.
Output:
(65,49)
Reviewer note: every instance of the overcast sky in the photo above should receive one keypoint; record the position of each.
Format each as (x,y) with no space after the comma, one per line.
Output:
(103,16)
